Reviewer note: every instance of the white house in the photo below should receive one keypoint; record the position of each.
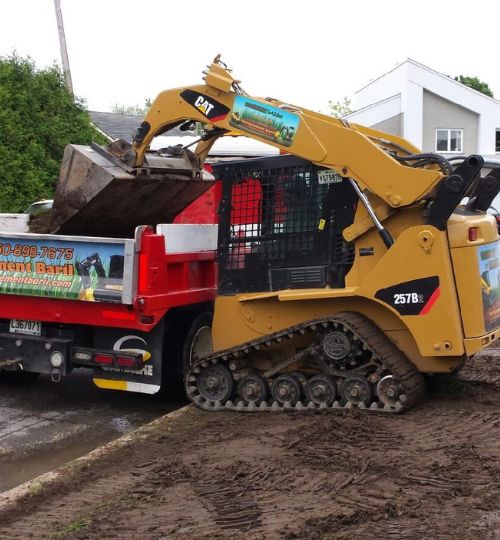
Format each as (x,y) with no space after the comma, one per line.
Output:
(432,110)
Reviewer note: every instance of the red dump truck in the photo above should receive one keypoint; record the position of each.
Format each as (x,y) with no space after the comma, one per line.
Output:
(132,302)
(133,309)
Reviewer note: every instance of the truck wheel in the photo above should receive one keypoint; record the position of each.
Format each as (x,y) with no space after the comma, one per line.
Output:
(188,337)
(18,377)
(198,341)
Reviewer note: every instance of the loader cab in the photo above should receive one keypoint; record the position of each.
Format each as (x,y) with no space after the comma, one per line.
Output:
(280,225)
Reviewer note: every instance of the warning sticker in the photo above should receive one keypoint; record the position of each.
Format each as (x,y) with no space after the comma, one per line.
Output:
(263,120)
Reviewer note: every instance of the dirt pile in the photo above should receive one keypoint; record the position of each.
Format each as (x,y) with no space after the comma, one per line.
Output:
(433,472)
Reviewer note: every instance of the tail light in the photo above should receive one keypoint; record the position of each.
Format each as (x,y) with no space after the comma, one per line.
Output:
(92,358)
(472,234)
(103,358)
(126,361)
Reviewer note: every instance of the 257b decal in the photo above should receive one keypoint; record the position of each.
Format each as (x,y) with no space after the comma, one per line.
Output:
(408,298)
(415,297)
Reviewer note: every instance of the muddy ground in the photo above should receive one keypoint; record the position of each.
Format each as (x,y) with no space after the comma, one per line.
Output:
(433,472)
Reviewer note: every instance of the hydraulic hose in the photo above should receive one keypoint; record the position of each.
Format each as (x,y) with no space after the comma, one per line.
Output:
(426,158)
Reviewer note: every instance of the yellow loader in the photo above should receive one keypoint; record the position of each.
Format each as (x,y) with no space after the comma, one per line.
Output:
(348,266)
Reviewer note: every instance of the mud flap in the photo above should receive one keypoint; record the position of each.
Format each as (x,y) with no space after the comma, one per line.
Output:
(147,380)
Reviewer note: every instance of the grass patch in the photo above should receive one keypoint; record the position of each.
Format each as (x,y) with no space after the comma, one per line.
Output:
(113,502)
(34,489)
(72,527)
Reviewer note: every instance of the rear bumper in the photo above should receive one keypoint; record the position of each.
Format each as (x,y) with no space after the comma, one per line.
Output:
(33,353)
(474,345)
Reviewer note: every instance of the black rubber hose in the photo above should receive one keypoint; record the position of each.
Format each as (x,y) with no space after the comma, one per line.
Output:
(386,237)
(429,158)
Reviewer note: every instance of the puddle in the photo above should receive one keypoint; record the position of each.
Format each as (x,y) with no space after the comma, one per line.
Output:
(45,425)
(122,425)
(15,474)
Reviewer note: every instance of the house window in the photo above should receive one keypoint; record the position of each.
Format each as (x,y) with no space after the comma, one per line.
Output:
(449,140)
(497,140)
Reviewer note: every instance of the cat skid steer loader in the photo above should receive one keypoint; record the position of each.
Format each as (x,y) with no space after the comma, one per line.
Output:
(348,266)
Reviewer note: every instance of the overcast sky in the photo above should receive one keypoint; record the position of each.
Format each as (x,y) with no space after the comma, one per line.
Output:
(303,52)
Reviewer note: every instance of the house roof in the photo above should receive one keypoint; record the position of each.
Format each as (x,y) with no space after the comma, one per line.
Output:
(371,105)
(123,126)
(434,72)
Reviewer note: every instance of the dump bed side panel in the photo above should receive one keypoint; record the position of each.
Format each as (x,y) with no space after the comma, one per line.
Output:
(68,267)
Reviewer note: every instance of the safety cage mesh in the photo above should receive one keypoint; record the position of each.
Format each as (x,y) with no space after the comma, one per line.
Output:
(273,225)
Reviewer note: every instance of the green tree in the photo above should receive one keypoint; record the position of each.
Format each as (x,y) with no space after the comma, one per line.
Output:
(38,118)
(475,83)
(134,110)
(338,109)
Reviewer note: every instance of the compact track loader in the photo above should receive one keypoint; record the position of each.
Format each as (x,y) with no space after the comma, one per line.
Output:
(348,267)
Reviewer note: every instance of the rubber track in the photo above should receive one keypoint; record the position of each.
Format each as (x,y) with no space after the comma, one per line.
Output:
(364,330)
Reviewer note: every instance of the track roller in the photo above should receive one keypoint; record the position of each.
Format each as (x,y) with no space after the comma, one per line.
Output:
(253,388)
(286,389)
(215,383)
(357,390)
(389,390)
(321,390)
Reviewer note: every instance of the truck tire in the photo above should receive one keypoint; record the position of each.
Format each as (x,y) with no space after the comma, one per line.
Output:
(198,341)
(188,338)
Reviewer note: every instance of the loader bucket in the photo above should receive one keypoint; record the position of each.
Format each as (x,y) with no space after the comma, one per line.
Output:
(97,195)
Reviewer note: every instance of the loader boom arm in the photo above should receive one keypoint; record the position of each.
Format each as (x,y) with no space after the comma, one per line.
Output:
(352,151)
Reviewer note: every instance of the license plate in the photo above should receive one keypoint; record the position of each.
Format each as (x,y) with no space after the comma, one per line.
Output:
(328,177)
(19,326)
